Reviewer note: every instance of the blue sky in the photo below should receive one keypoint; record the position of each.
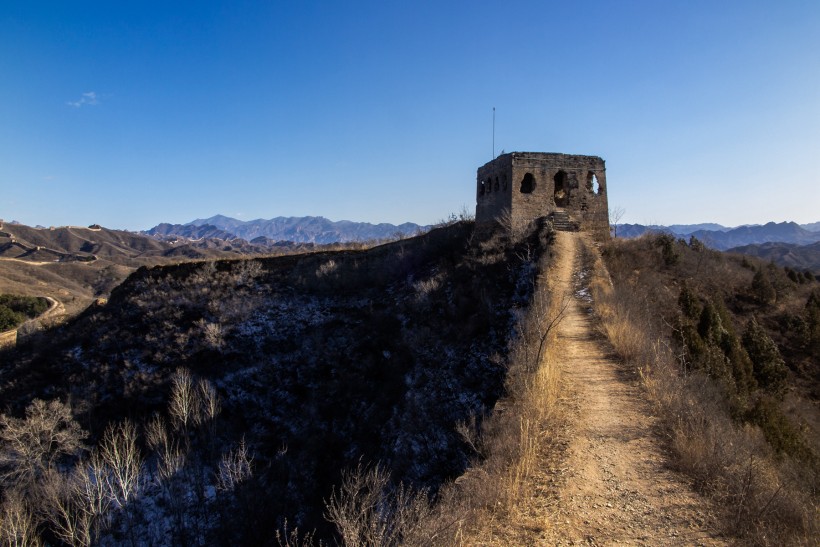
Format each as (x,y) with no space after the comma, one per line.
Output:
(128,114)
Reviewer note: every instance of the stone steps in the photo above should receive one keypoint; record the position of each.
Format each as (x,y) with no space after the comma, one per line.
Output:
(562,223)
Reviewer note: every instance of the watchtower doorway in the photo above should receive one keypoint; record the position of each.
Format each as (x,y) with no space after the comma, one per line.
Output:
(561,194)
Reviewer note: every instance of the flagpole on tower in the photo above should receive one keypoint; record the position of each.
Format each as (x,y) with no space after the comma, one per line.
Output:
(493,132)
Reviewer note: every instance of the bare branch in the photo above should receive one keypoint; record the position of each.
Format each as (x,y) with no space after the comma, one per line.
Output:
(18,527)
(31,446)
(184,402)
(235,467)
(120,453)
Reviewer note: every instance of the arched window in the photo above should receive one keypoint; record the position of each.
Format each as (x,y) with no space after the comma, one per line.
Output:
(496,184)
(503,182)
(527,184)
(561,192)
(481,189)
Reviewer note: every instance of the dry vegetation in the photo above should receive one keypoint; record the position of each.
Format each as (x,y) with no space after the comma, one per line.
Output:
(496,497)
(727,349)
(76,265)
(217,402)
(401,395)
(492,503)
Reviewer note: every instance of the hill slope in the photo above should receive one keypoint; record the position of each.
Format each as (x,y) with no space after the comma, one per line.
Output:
(75,265)
(71,264)
(797,257)
(727,347)
(320,361)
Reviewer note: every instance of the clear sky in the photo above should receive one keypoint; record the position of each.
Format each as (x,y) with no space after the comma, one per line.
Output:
(131,113)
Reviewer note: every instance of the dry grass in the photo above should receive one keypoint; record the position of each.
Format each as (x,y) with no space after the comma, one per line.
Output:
(768,499)
(493,501)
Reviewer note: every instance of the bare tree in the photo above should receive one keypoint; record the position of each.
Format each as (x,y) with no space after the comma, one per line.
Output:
(235,467)
(184,404)
(171,457)
(513,230)
(32,445)
(156,434)
(367,512)
(292,538)
(121,454)
(64,508)
(212,333)
(89,482)
(210,405)
(246,272)
(18,527)
(615,215)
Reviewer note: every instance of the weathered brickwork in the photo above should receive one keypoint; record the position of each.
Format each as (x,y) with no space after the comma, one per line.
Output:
(531,185)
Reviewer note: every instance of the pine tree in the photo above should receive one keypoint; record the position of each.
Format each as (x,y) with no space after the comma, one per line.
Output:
(762,288)
(768,365)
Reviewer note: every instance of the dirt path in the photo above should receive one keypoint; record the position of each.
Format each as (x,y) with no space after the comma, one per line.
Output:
(30,262)
(614,486)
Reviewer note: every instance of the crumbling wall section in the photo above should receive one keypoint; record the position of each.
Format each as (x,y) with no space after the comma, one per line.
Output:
(493,190)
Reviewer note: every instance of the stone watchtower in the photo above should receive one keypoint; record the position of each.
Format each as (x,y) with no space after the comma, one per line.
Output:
(569,190)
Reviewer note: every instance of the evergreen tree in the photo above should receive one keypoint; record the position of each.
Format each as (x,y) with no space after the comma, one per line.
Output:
(768,365)
(762,288)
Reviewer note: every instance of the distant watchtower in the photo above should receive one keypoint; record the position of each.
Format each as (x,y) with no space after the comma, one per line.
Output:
(568,189)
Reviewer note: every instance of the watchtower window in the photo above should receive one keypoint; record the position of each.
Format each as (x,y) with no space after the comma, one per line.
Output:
(504,182)
(560,194)
(592,183)
(496,184)
(527,184)
(481,188)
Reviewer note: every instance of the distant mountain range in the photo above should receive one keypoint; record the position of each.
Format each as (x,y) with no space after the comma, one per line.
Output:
(797,257)
(75,264)
(723,238)
(317,230)
(786,243)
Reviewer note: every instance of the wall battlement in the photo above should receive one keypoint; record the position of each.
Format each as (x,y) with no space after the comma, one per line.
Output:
(531,185)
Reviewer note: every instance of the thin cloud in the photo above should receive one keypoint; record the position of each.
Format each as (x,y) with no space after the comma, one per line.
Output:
(87,99)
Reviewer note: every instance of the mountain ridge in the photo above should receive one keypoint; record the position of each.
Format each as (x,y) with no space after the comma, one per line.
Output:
(320,230)
(308,229)
(727,238)
(798,257)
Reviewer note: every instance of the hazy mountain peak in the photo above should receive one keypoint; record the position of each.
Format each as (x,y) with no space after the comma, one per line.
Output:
(307,229)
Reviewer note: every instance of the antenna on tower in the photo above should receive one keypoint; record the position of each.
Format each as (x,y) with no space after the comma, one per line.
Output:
(493,132)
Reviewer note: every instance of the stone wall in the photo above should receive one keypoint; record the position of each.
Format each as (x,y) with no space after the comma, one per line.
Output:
(531,185)
(494,189)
